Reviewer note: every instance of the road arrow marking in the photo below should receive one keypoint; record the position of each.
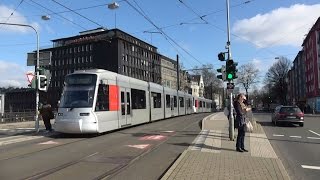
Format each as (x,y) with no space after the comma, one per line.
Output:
(139,146)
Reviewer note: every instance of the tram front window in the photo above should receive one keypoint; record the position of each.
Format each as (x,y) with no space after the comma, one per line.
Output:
(77,99)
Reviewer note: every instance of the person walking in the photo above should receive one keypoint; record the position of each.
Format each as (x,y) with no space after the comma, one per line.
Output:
(240,109)
(47,114)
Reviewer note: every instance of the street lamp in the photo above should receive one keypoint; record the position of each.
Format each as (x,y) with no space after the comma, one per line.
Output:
(113,6)
(37,70)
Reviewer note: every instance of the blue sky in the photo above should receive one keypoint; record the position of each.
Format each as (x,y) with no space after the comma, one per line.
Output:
(261,29)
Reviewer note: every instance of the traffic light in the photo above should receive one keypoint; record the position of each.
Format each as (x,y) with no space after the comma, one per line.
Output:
(221,56)
(42,83)
(222,70)
(231,70)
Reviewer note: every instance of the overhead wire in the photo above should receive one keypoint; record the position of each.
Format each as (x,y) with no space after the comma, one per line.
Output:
(160,30)
(77,13)
(59,15)
(14,10)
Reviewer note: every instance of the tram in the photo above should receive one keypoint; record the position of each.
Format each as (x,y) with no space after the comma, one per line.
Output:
(97,100)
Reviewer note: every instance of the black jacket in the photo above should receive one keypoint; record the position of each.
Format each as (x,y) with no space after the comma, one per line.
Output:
(240,116)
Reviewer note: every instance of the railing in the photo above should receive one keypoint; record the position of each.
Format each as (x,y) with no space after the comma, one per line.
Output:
(9,117)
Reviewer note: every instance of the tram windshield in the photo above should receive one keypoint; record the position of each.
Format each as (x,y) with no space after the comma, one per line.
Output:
(79,91)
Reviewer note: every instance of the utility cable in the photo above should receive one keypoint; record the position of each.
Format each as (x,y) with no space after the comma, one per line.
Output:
(160,30)
(14,10)
(78,14)
(59,15)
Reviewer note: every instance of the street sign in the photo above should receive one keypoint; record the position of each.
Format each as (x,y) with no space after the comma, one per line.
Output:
(30,76)
(44,58)
(230,85)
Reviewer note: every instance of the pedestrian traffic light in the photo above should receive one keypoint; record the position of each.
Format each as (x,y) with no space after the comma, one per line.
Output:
(231,70)
(42,83)
(222,70)
(221,56)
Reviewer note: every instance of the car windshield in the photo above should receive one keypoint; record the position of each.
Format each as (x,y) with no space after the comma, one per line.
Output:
(290,110)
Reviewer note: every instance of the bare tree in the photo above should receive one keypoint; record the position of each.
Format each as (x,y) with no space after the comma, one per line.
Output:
(276,78)
(248,76)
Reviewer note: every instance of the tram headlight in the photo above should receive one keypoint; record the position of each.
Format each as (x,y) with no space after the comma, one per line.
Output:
(60,114)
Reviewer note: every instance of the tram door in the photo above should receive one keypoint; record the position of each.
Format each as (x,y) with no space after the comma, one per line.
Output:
(125,116)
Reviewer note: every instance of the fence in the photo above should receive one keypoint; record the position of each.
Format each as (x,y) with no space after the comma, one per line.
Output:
(9,117)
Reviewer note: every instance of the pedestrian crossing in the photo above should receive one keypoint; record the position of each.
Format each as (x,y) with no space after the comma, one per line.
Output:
(17,139)
(12,136)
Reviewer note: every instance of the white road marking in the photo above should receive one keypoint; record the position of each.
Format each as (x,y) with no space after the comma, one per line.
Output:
(4,129)
(295,136)
(313,137)
(278,135)
(314,132)
(311,167)
(16,139)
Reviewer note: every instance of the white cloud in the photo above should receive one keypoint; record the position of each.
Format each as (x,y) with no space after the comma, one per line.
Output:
(282,26)
(16,18)
(12,74)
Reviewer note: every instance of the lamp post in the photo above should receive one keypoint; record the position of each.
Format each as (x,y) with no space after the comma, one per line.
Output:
(36,68)
(113,6)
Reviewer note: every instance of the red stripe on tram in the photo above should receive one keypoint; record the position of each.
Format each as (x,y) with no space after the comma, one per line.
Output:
(113,98)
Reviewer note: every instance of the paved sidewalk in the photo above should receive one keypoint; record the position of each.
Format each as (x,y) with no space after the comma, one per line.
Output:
(212,156)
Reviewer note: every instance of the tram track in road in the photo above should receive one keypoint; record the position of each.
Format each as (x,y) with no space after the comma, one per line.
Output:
(121,166)
(44,149)
(111,174)
(107,148)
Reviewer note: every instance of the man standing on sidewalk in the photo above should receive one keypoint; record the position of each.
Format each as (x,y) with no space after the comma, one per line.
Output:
(47,114)
(241,110)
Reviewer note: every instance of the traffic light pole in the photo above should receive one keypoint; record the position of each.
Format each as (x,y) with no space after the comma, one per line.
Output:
(231,118)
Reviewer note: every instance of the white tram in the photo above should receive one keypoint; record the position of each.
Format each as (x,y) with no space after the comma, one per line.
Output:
(96,101)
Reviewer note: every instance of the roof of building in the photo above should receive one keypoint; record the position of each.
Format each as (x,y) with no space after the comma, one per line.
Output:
(315,27)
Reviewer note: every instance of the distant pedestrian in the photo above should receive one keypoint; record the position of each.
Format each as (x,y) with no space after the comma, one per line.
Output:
(240,109)
(47,114)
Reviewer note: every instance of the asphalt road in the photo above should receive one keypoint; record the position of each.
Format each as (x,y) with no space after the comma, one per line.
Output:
(141,152)
(297,147)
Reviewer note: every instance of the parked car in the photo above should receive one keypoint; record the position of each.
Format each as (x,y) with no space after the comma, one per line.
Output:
(287,114)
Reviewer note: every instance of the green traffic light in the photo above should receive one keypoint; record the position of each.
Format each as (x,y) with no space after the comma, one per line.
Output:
(230,76)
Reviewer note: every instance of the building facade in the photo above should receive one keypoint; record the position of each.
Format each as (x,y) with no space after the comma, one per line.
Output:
(112,50)
(197,85)
(168,72)
(311,48)
(299,80)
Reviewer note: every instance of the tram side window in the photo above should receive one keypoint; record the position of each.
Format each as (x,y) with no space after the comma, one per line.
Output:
(156,99)
(175,101)
(189,103)
(102,98)
(138,98)
(200,103)
(168,101)
(181,99)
